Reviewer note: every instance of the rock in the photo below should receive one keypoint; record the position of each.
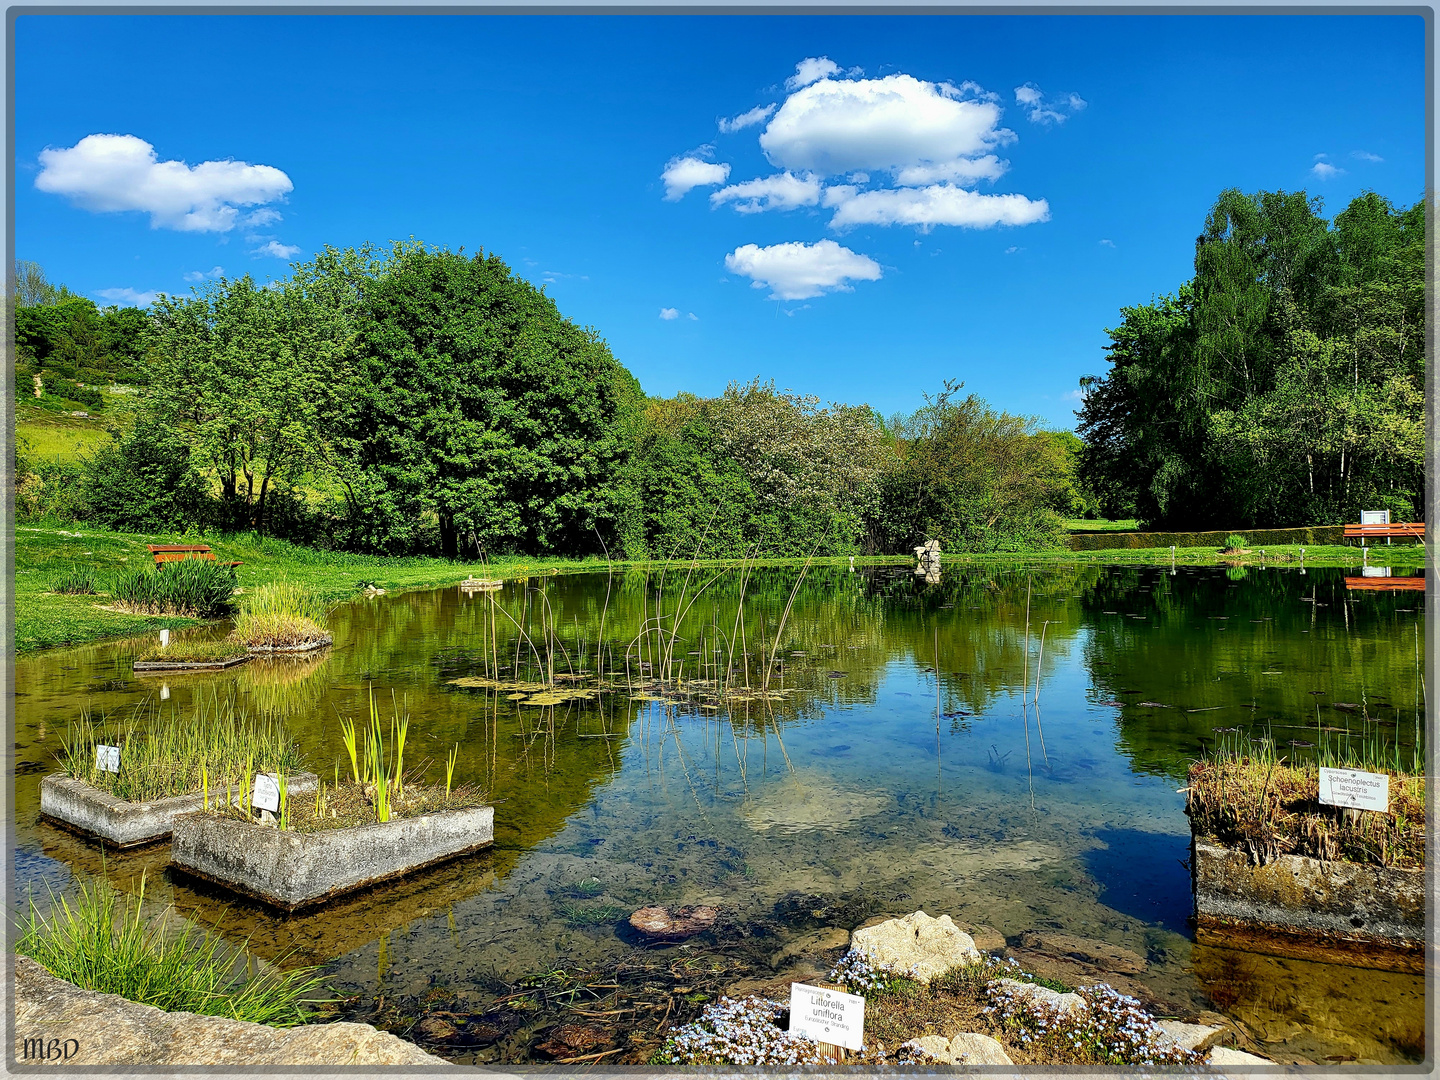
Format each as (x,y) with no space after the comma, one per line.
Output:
(434,1027)
(966,1048)
(986,938)
(574,1040)
(1223,1055)
(821,941)
(1190,1036)
(662,924)
(930,946)
(113,1031)
(1101,954)
(1045,998)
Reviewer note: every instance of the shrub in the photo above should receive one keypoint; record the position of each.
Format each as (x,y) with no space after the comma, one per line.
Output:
(101,942)
(1235,542)
(196,588)
(74,582)
(145,482)
(49,490)
(280,615)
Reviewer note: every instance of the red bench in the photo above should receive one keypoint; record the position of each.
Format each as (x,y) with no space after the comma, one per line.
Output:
(164,553)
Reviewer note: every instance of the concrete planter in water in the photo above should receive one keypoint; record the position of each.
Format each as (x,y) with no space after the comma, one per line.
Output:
(1337,912)
(290,870)
(85,809)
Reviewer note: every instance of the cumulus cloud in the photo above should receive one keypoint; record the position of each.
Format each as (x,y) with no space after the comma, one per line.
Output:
(128,297)
(276,249)
(111,173)
(938,204)
(1047,110)
(812,69)
(201,275)
(964,171)
(1365,155)
(783,191)
(1323,170)
(797,271)
(835,127)
(684,173)
(668,313)
(757,115)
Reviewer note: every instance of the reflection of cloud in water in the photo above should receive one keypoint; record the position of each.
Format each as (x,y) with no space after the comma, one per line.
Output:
(810,800)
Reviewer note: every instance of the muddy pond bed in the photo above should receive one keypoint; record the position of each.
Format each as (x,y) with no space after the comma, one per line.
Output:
(802,773)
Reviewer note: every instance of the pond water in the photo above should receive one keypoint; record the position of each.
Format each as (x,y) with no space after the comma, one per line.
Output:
(1030,784)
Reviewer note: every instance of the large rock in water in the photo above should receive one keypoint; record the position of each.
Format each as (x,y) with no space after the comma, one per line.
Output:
(661,924)
(112,1031)
(930,946)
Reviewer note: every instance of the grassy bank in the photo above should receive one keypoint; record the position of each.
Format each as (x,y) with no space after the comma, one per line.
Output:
(43,553)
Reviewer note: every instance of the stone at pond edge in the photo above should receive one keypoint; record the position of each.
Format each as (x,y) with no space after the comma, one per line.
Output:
(930,946)
(821,941)
(1223,1055)
(1190,1036)
(1101,954)
(113,1031)
(662,924)
(1046,998)
(574,1040)
(966,1048)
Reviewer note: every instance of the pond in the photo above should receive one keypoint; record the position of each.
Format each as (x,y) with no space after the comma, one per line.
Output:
(1003,745)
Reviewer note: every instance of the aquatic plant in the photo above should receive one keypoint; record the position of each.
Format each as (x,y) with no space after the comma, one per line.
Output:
(74,582)
(741,1032)
(280,615)
(195,588)
(1112,1029)
(1235,542)
(164,754)
(99,941)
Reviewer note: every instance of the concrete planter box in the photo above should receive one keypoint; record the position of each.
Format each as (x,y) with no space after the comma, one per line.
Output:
(1336,912)
(291,870)
(144,667)
(85,809)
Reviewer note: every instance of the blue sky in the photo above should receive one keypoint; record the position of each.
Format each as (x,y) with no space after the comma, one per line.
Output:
(909,200)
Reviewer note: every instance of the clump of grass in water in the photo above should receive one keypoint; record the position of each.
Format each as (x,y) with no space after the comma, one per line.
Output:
(162,755)
(280,615)
(191,650)
(1235,542)
(579,915)
(75,582)
(100,942)
(194,588)
(1245,795)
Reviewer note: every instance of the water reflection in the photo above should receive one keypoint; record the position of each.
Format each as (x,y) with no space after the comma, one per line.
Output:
(1001,744)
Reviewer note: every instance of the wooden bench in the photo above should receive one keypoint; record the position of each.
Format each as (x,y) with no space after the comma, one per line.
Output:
(164,553)
(1405,583)
(1412,530)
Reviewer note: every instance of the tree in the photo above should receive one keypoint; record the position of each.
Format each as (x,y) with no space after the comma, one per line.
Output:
(476,410)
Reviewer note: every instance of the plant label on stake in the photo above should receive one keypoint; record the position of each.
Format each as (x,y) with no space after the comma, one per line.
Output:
(829,1016)
(107,758)
(266,795)
(164,639)
(1355,790)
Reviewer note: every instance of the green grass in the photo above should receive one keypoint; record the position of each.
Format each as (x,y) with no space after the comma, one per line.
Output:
(192,650)
(1102,525)
(280,614)
(43,620)
(75,582)
(165,754)
(99,941)
(59,438)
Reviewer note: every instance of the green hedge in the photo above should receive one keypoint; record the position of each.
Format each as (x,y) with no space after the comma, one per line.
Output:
(1254,538)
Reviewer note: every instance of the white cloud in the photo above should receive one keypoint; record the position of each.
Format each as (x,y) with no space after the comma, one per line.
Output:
(811,69)
(1107,243)
(1047,111)
(1365,155)
(1324,170)
(783,191)
(201,275)
(939,204)
(797,271)
(757,115)
(693,317)
(1009,250)
(963,171)
(668,313)
(684,173)
(836,127)
(859,178)
(277,249)
(128,297)
(258,219)
(111,173)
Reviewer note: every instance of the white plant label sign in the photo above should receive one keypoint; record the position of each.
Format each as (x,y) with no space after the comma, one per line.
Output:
(107,758)
(828,1016)
(266,793)
(1355,790)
